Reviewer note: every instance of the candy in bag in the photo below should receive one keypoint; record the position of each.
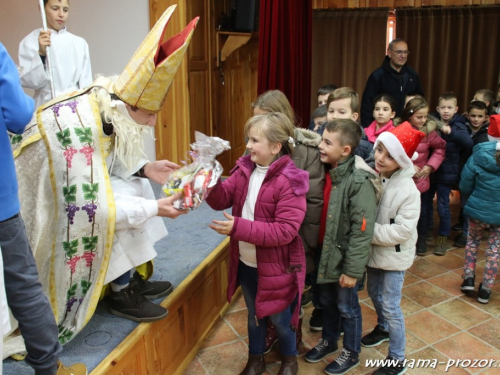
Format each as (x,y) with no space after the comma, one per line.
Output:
(194,179)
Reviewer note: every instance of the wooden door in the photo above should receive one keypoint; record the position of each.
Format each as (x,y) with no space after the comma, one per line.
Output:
(172,127)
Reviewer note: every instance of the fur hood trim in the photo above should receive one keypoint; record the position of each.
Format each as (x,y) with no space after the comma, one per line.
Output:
(307,137)
(359,163)
(431,124)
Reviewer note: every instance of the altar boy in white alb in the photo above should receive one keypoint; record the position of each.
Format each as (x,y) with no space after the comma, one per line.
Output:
(69,56)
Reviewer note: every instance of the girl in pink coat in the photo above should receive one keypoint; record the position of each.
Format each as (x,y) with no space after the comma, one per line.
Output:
(267,193)
(431,152)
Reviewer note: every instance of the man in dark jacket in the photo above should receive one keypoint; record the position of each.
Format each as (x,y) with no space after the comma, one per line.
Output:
(394,77)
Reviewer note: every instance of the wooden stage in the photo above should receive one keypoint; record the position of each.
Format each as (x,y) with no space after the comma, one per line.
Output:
(169,345)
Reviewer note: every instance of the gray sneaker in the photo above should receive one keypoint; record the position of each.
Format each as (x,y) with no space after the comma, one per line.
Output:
(441,246)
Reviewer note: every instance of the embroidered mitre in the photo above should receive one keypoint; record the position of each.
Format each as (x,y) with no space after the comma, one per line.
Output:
(147,77)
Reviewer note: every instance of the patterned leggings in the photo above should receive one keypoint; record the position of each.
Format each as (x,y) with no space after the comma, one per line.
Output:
(475,233)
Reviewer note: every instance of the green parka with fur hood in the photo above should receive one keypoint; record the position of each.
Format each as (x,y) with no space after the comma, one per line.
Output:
(349,221)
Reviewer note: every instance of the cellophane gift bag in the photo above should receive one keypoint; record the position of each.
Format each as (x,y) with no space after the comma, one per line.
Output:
(194,179)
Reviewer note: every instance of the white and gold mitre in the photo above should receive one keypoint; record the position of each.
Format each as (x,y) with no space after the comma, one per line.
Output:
(147,77)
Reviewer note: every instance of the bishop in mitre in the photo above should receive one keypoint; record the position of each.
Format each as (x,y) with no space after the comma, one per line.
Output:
(88,206)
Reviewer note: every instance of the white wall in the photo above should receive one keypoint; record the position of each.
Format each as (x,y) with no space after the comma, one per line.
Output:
(114,29)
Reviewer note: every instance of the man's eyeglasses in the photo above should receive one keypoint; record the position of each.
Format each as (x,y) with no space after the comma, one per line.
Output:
(400,52)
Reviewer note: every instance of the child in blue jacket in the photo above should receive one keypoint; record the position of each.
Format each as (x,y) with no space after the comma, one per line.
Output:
(480,181)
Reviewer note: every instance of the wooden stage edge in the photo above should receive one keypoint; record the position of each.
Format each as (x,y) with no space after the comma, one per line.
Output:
(168,346)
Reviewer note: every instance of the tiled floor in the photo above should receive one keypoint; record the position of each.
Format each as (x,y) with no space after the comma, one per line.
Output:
(441,324)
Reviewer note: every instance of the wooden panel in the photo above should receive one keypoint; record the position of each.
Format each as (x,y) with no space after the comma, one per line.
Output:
(201,301)
(199,70)
(172,128)
(129,357)
(199,100)
(169,343)
(236,97)
(199,42)
(168,346)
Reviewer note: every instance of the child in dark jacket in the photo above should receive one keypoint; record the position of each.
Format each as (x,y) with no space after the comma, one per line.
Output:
(479,183)
(477,126)
(267,193)
(346,232)
(458,141)
(343,103)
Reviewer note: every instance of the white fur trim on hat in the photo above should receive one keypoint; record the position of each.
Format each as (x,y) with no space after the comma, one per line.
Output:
(493,139)
(394,147)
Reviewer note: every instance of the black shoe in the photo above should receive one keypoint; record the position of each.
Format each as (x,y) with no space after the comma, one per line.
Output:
(458,227)
(375,338)
(421,246)
(483,295)
(307,298)
(460,241)
(346,361)
(316,321)
(127,303)
(361,282)
(468,284)
(320,351)
(150,289)
(392,367)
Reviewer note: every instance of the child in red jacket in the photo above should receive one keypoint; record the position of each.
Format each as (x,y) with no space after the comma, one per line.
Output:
(267,194)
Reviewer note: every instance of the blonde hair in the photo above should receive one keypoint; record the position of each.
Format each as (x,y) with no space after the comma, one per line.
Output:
(275,101)
(275,127)
(342,93)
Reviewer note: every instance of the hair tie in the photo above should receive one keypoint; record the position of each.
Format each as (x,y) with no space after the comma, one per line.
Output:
(291,141)
(411,110)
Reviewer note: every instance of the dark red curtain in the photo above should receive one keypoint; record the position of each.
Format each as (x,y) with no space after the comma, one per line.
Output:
(285,52)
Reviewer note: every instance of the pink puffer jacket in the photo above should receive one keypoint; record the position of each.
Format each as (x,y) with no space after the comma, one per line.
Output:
(431,151)
(279,212)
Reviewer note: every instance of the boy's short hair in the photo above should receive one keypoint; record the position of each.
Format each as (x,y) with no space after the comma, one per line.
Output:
(326,89)
(345,92)
(449,95)
(478,104)
(350,132)
(488,95)
(320,111)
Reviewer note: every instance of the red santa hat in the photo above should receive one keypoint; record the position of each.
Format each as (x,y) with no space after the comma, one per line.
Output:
(494,128)
(401,142)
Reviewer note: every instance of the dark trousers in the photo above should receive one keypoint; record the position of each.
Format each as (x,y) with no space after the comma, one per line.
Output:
(423,219)
(341,310)
(26,300)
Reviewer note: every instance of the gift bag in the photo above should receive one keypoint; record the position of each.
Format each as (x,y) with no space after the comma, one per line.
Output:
(194,179)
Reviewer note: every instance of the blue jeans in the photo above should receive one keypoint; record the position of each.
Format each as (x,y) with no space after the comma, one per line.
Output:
(257,328)
(385,290)
(123,279)
(341,309)
(26,300)
(443,208)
